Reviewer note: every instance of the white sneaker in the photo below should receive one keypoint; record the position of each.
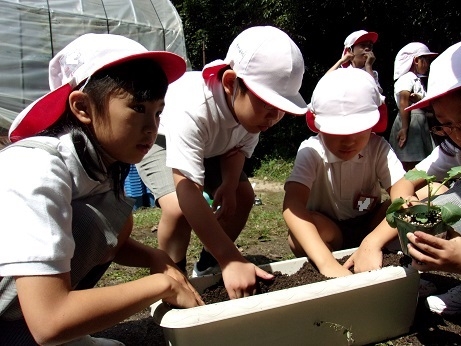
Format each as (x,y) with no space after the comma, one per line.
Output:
(88,340)
(208,271)
(446,304)
(426,288)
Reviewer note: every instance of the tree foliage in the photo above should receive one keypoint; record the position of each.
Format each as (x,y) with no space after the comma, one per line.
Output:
(319,27)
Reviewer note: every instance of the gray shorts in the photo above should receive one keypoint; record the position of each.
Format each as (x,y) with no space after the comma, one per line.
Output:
(153,170)
(354,230)
(159,178)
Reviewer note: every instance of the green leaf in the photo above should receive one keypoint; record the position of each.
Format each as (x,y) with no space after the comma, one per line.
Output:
(453,172)
(391,220)
(419,174)
(450,213)
(396,205)
(421,218)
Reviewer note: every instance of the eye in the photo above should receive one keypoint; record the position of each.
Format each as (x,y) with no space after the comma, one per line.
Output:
(158,114)
(139,108)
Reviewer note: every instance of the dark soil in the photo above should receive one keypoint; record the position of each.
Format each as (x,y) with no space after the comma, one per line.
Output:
(307,274)
(430,218)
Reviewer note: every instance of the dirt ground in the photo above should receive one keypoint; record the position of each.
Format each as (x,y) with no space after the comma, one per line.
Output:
(428,328)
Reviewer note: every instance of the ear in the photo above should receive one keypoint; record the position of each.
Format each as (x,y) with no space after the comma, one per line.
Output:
(229,78)
(80,106)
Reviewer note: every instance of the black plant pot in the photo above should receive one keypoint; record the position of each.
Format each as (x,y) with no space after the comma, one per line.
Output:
(403,227)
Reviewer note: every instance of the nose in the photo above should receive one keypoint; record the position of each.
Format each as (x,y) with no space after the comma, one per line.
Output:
(151,124)
(275,113)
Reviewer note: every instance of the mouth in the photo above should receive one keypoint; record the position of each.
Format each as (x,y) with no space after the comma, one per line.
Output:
(144,148)
(263,128)
(347,151)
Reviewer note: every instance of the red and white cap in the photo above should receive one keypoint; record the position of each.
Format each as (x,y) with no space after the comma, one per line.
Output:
(347,101)
(76,62)
(269,63)
(444,76)
(404,58)
(355,38)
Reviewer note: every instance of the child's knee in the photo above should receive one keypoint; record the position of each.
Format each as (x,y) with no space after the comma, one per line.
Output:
(245,195)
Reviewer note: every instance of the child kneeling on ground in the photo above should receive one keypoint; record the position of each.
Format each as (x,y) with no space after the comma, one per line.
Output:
(333,195)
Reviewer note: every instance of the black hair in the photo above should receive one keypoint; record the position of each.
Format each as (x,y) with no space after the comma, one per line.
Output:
(143,79)
(241,84)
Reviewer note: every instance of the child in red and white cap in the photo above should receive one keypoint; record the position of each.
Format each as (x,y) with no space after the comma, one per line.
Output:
(64,215)
(210,125)
(431,253)
(333,195)
(358,53)
(410,137)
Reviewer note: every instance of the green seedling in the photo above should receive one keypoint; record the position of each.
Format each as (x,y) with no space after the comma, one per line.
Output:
(450,213)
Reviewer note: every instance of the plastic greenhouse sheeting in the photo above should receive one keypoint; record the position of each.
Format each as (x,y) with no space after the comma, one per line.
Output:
(33,31)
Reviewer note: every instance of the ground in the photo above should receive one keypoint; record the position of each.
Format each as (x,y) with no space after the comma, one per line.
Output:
(428,328)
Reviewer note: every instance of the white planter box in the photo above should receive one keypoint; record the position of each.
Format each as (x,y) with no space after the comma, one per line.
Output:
(374,306)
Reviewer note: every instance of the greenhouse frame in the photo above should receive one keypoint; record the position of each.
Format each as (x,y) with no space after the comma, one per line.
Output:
(33,31)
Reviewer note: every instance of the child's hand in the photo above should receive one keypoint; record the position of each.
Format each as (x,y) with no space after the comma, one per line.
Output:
(336,271)
(402,137)
(162,263)
(225,202)
(433,253)
(347,57)
(240,278)
(370,58)
(366,258)
(414,98)
(182,294)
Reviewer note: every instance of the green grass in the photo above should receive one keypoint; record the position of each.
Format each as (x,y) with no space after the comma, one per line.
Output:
(265,224)
(274,169)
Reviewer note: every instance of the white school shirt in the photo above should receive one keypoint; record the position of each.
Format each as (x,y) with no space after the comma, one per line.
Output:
(198,124)
(409,82)
(439,163)
(36,232)
(336,185)
(375,76)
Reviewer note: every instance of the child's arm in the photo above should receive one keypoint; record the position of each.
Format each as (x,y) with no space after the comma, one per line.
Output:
(369,254)
(134,254)
(225,194)
(239,275)
(301,224)
(404,101)
(345,58)
(405,188)
(56,314)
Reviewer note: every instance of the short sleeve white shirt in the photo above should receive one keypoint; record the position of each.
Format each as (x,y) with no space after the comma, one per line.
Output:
(439,163)
(198,124)
(36,233)
(339,188)
(408,82)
